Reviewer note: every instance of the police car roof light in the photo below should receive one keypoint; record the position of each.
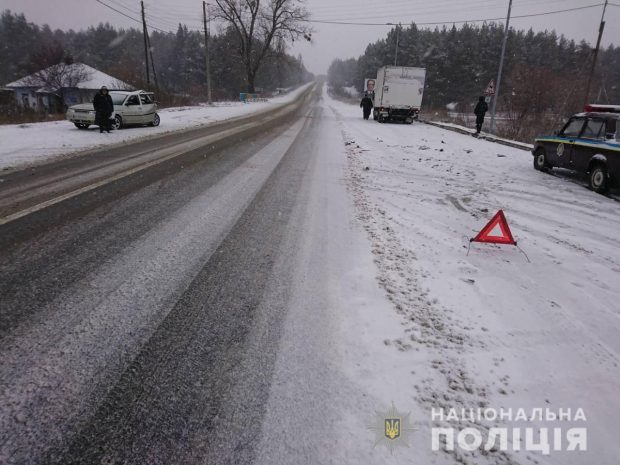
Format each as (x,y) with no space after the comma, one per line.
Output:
(593,108)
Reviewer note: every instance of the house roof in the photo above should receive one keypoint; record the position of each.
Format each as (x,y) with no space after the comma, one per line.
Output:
(94,79)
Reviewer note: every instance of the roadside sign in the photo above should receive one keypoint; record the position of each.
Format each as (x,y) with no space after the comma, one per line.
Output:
(490,88)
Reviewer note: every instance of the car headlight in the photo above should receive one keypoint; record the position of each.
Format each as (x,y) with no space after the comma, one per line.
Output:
(92,112)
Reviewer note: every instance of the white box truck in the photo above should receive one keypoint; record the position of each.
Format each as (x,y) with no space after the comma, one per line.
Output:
(398,93)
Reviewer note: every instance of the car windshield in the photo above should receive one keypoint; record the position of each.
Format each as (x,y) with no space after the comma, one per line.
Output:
(573,128)
(118,99)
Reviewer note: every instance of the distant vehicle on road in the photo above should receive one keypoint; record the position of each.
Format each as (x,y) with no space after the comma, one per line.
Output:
(589,143)
(130,108)
(398,94)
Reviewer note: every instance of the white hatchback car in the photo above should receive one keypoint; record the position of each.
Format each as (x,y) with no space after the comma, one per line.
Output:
(130,108)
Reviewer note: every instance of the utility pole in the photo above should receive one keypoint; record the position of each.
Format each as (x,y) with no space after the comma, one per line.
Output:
(595,56)
(207,59)
(397,40)
(501,67)
(146,46)
(152,63)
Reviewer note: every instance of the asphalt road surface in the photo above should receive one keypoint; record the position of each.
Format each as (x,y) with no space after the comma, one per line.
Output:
(178,315)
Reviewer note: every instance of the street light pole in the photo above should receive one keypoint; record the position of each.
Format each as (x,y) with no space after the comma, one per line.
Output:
(595,57)
(501,66)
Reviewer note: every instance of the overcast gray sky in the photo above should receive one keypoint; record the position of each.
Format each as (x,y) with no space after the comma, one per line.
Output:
(337,41)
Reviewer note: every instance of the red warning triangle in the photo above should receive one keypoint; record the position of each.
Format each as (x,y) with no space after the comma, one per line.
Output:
(496,231)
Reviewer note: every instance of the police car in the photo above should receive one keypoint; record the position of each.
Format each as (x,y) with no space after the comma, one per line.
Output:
(589,143)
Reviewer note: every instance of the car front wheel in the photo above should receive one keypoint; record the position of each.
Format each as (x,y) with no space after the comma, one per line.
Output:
(599,179)
(156,120)
(118,122)
(540,160)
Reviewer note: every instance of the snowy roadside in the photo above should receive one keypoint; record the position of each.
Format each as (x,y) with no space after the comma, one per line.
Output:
(490,330)
(485,136)
(27,144)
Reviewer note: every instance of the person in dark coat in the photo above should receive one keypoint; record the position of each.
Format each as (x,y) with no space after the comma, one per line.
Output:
(104,107)
(366,105)
(480,111)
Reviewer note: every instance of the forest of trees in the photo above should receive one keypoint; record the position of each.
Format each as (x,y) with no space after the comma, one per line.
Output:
(544,74)
(179,58)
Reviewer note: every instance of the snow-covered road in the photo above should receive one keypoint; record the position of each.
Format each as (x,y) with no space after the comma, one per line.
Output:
(490,329)
(271,302)
(25,144)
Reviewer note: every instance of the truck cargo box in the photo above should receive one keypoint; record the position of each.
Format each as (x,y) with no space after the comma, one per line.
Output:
(398,94)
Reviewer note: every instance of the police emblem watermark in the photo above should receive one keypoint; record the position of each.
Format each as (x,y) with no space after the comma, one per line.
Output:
(392,428)
(542,430)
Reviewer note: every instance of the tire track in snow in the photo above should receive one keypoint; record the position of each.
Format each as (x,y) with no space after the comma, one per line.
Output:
(429,326)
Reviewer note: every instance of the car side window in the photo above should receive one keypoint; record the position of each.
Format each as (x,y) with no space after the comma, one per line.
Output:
(145,99)
(593,129)
(611,127)
(573,127)
(133,100)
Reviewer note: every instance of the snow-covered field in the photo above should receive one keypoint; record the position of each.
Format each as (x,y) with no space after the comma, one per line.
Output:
(488,329)
(25,144)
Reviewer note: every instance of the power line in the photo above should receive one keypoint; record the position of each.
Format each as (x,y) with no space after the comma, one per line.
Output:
(125,7)
(417,10)
(438,10)
(130,17)
(437,23)
(119,12)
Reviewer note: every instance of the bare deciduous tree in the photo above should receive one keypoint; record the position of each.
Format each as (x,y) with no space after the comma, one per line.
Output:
(258,23)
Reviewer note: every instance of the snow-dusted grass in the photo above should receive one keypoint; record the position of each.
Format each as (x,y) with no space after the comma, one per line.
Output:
(490,329)
(25,144)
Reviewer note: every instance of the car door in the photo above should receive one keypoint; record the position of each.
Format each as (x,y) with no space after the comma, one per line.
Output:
(591,141)
(148,107)
(133,110)
(566,142)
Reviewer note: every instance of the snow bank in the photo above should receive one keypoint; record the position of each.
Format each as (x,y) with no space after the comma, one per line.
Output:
(483,135)
(25,144)
(489,329)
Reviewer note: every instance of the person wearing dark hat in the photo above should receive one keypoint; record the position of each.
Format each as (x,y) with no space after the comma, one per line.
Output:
(104,107)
